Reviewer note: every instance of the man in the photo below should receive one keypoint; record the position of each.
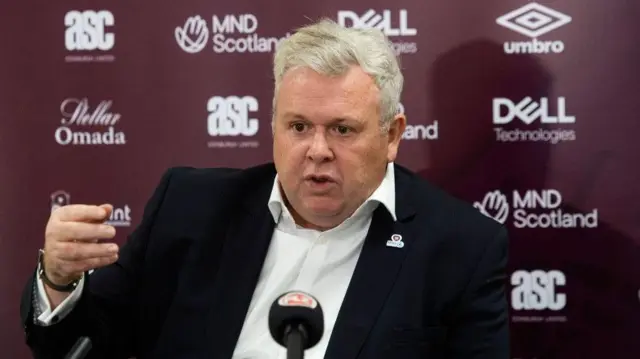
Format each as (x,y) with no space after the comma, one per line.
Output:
(401,269)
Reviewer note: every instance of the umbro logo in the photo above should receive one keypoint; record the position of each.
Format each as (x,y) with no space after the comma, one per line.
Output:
(533,20)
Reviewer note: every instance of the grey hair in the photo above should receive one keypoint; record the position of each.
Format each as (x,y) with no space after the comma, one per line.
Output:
(330,49)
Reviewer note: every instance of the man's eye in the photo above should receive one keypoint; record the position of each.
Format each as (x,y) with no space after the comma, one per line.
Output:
(343,130)
(298,127)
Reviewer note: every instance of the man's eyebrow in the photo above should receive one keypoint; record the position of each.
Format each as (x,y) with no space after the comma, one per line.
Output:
(294,115)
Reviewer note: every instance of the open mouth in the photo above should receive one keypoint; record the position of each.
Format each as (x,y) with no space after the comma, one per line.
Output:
(320,179)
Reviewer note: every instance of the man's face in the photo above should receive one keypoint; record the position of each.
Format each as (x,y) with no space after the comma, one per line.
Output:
(329,149)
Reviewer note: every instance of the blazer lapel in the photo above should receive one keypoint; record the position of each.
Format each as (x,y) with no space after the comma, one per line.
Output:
(374,275)
(241,261)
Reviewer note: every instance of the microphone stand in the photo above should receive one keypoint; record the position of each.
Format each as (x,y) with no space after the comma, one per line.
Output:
(80,349)
(295,340)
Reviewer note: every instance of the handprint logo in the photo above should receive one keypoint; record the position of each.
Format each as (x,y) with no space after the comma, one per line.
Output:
(59,199)
(494,205)
(193,36)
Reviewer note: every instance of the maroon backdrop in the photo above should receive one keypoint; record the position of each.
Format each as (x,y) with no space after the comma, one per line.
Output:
(528,111)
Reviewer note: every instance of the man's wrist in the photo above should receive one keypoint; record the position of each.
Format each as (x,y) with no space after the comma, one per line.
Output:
(57,284)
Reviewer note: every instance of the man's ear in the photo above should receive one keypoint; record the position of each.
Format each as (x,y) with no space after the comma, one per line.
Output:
(395,131)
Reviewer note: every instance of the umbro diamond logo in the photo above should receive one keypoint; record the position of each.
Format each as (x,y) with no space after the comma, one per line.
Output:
(533,20)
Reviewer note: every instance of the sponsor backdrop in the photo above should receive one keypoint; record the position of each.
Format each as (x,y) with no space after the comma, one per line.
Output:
(526,110)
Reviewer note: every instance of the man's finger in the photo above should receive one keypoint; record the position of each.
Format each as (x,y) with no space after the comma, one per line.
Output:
(81,212)
(80,231)
(70,251)
(88,264)
(107,207)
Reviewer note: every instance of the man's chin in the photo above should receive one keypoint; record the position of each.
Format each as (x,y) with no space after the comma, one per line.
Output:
(323,207)
(321,216)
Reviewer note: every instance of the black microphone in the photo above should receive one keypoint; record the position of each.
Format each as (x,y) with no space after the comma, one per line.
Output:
(296,322)
(79,349)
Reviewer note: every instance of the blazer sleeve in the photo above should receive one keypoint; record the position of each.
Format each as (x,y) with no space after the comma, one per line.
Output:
(106,307)
(481,327)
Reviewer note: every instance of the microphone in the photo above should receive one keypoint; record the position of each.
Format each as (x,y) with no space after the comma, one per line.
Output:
(79,349)
(296,322)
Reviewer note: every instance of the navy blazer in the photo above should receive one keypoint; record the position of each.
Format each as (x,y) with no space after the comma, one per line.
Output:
(186,275)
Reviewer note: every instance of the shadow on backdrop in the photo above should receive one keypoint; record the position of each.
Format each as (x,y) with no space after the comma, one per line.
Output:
(601,317)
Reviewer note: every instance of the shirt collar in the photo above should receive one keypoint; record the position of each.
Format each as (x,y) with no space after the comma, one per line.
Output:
(385,194)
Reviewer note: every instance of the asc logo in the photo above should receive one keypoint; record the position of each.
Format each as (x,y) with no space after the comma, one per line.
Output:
(230,116)
(538,290)
(87,30)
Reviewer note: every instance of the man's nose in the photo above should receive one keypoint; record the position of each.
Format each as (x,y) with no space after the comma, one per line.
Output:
(320,151)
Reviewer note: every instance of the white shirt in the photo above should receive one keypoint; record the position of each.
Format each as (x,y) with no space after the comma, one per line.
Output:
(318,262)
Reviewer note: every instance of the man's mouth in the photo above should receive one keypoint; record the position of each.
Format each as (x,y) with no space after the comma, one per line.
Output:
(319,179)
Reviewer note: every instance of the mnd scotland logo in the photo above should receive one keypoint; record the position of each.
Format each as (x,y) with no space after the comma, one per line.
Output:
(419,132)
(193,36)
(533,20)
(226,34)
(534,209)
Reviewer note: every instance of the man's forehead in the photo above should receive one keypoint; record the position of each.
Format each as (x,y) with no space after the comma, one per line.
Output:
(355,80)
